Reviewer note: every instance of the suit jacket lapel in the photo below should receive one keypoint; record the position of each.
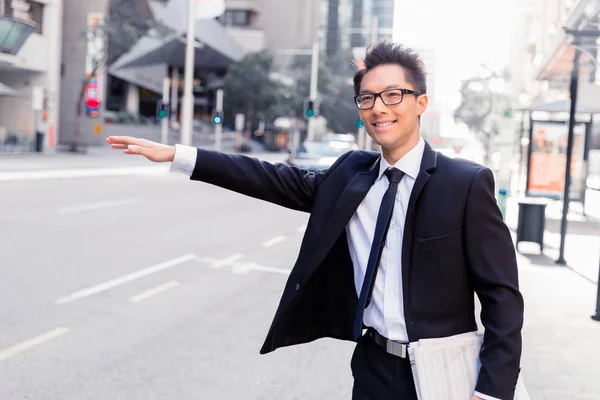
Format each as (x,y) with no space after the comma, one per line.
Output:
(345,207)
(428,164)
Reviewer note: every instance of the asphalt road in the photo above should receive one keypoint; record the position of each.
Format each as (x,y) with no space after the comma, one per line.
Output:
(120,280)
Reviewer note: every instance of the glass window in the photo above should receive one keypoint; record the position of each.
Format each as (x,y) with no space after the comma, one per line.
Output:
(235,18)
(36,14)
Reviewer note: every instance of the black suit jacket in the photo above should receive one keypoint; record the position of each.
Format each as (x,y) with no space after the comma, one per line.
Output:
(455,244)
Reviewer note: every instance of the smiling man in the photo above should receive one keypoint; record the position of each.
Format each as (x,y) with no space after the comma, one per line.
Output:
(397,244)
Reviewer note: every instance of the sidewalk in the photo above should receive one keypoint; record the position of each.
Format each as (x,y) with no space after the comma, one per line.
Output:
(561,343)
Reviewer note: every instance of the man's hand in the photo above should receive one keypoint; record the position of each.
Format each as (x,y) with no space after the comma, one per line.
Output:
(153,151)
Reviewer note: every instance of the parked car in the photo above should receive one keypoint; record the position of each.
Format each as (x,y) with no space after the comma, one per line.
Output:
(315,156)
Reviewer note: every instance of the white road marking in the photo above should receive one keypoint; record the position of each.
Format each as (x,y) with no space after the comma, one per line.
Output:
(84,172)
(227,261)
(96,206)
(245,266)
(28,344)
(125,279)
(149,293)
(274,241)
(302,229)
(240,268)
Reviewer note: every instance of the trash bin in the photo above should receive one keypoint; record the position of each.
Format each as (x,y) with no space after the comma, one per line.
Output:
(39,141)
(532,221)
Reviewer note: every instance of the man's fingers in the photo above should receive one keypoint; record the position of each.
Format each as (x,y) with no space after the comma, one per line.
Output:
(126,140)
(118,146)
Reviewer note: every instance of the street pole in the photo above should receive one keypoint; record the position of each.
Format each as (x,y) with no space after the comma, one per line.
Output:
(596,316)
(565,212)
(188,90)
(368,140)
(361,138)
(174,95)
(164,124)
(219,127)
(314,76)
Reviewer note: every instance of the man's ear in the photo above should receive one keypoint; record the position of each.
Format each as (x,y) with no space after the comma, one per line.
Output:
(422,102)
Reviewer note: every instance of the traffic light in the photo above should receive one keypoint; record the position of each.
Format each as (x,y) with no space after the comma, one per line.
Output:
(162,109)
(217,119)
(310,109)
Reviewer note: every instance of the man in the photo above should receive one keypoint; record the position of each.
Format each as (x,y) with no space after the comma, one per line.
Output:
(396,243)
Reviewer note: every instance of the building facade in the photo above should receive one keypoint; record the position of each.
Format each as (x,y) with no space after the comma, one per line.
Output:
(30,94)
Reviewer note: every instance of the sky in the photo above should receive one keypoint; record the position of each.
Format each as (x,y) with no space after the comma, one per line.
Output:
(463,33)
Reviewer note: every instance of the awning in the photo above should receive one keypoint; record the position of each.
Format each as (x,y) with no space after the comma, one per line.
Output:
(214,47)
(563,106)
(557,63)
(7,91)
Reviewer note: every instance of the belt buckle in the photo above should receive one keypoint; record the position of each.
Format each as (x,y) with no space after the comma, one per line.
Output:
(396,349)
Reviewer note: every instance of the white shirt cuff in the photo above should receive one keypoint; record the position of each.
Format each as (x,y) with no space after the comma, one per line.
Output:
(485,397)
(184,160)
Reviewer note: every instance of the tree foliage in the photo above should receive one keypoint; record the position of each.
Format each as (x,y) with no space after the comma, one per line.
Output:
(249,88)
(480,106)
(334,88)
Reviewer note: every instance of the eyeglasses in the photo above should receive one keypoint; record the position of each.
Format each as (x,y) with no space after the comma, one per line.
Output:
(389,97)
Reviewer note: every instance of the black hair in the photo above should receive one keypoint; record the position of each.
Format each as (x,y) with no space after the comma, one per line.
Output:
(393,53)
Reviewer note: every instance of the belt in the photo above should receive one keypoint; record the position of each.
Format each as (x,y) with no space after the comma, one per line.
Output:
(394,348)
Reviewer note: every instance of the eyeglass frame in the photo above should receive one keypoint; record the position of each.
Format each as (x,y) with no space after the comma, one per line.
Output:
(403,91)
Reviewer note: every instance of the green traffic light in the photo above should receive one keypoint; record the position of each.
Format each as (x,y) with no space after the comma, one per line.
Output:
(310,113)
(360,124)
(162,113)
(217,119)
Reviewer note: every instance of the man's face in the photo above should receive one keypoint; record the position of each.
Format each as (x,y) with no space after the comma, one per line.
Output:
(391,126)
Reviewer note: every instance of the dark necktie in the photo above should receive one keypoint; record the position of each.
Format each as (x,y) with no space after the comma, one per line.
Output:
(394,176)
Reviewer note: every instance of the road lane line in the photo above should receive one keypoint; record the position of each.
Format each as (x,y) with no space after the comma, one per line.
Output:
(96,206)
(274,241)
(149,293)
(81,173)
(227,261)
(125,279)
(28,344)
(302,229)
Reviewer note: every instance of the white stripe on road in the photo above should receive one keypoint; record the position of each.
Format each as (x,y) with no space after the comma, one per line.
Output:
(125,279)
(274,241)
(149,293)
(96,206)
(28,344)
(227,261)
(302,229)
(241,268)
(245,266)
(80,173)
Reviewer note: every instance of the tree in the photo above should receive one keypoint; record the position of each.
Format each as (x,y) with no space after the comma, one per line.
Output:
(250,89)
(480,105)
(125,24)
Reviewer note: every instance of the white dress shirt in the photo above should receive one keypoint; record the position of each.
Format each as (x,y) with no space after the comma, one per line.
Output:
(385,313)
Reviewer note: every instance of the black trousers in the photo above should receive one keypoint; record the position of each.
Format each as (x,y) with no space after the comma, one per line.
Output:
(379,375)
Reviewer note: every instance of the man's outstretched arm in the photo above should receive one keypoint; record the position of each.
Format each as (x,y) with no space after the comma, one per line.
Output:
(277,183)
